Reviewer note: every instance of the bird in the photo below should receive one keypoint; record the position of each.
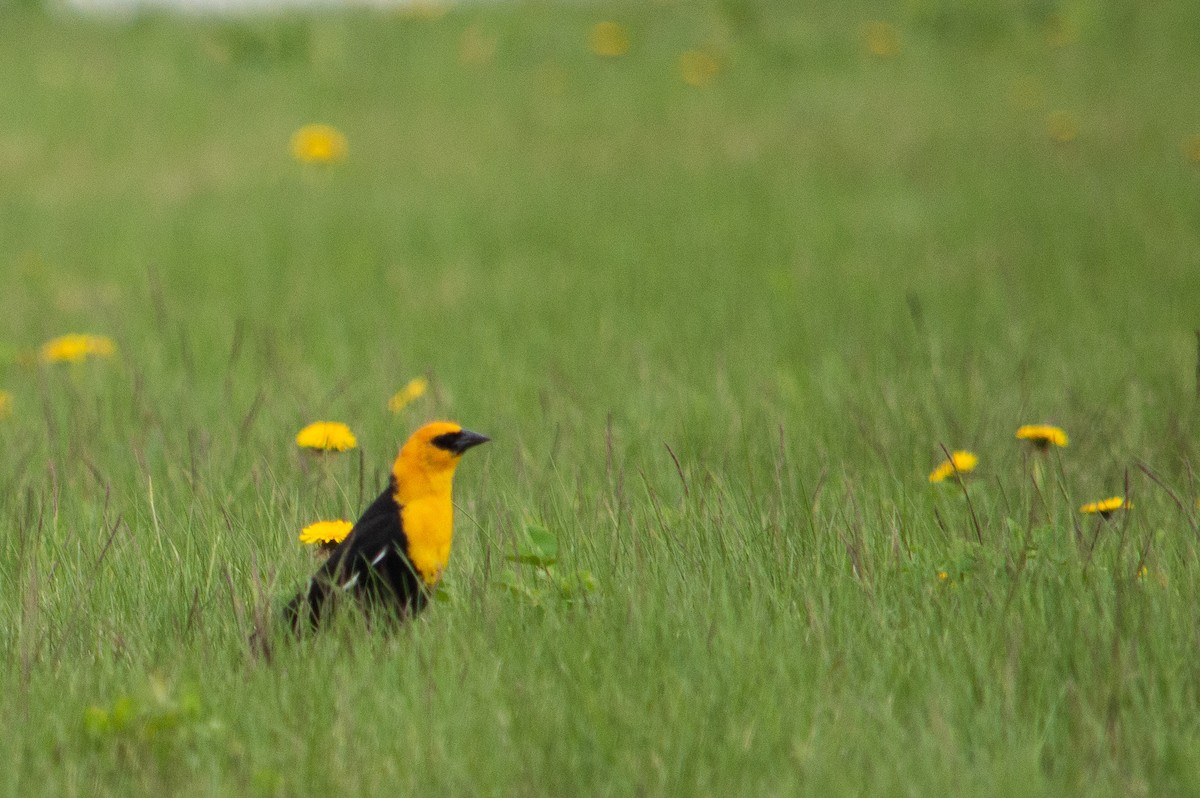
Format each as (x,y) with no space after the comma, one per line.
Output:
(395,554)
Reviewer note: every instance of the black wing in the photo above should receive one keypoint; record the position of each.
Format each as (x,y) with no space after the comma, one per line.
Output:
(371,563)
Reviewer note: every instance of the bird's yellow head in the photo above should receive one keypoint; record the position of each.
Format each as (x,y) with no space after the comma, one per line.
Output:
(433,452)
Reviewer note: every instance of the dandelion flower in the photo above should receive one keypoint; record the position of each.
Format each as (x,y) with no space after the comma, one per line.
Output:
(608,39)
(409,393)
(425,9)
(698,68)
(1042,436)
(76,348)
(1061,31)
(318,144)
(960,462)
(326,436)
(326,532)
(1106,507)
(476,48)
(6,404)
(1191,148)
(943,576)
(882,39)
(1062,127)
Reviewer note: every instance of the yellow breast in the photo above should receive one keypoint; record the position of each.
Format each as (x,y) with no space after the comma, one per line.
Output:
(429,527)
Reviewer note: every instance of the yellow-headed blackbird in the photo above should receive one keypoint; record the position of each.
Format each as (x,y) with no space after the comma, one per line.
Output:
(396,552)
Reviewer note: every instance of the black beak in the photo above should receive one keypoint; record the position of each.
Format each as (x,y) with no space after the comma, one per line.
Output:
(466,440)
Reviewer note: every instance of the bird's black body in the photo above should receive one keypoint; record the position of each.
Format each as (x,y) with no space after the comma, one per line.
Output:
(371,564)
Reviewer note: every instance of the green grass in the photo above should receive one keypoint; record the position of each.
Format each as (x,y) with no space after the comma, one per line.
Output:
(804,279)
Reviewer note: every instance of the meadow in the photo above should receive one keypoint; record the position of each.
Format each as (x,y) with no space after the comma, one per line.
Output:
(722,315)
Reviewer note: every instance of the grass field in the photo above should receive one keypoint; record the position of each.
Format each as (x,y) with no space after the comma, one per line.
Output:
(851,246)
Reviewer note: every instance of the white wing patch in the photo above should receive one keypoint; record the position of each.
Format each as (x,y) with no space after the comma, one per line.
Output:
(352,581)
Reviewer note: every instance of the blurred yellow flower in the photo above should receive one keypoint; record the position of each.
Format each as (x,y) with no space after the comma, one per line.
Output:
(76,348)
(402,398)
(326,436)
(1061,31)
(1062,127)
(1106,507)
(942,576)
(1143,572)
(1191,148)
(882,39)
(425,9)
(326,532)
(476,48)
(318,144)
(960,462)
(6,404)
(608,39)
(698,68)
(1042,435)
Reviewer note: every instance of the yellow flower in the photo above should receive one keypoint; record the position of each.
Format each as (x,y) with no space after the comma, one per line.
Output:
(1191,148)
(1106,507)
(318,144)
(1042,435)
(1062,127)
(960,462)
(609,40)
(425,9)
(76,348)
(6,404)
(942,576)
(402,398)
(326,436)
(698,68)
(476,48)
(1143,572)
(326,532)
(1061,31)
(882,39)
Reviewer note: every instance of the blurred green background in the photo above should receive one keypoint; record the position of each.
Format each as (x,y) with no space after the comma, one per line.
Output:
(803,245)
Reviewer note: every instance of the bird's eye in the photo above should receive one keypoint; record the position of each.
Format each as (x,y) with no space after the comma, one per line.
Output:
(448,441)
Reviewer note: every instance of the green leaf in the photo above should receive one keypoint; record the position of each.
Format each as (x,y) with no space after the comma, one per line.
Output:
(96,721)
(587,581)
(540,548)
(509,582)
(123,712)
